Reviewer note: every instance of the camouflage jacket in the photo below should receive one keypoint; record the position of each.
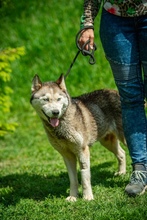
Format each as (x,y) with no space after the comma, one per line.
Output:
(124,8)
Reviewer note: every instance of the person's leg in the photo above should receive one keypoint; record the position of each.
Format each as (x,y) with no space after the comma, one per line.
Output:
(121,45)
(142,35)
(133,113)
(144,64)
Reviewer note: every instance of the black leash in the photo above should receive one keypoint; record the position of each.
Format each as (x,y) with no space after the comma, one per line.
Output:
(89,52)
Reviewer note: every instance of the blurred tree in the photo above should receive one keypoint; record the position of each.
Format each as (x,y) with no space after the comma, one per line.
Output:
(6,57)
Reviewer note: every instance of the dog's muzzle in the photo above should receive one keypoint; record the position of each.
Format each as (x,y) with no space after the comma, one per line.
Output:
(54,120)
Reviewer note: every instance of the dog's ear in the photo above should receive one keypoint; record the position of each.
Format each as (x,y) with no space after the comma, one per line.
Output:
(36,83)
(61,82)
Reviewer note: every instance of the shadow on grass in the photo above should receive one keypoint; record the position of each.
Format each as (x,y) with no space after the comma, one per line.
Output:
(20,186)
(36,187)
(101,175)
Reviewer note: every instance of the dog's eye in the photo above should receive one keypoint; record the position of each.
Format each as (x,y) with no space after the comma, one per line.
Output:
(46,99)
(58,99)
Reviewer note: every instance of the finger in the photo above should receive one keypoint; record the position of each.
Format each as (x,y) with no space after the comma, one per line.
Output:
(91,43)
(91,46)
(82,41)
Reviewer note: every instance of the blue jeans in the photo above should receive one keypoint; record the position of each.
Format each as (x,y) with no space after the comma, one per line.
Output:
(125,44)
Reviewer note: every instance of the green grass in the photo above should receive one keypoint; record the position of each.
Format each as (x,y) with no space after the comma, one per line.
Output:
(33,179)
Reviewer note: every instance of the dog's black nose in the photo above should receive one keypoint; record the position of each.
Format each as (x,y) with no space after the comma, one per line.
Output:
(55,112)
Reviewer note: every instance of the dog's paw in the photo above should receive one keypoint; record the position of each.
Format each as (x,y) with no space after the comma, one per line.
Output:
(71,199)
(119,173)
(88,197)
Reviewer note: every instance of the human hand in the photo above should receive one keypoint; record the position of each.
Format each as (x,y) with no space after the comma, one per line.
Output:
(86,34)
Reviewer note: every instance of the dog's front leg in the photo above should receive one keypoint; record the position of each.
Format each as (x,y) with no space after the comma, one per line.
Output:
(71,163)
(84,160)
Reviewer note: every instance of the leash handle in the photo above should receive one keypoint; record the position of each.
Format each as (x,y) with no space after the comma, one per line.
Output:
(89,52)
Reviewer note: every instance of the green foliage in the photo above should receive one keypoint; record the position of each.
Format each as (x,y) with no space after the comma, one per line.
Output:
(6,57)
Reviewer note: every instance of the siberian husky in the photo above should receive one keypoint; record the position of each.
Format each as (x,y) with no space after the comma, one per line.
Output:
(74,124)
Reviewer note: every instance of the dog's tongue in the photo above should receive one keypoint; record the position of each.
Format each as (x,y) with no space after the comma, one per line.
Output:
(54,122)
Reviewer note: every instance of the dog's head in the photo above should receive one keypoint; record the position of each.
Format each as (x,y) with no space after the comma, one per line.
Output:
(49,99)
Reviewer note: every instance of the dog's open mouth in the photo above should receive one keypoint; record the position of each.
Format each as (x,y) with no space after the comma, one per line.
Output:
(53,121)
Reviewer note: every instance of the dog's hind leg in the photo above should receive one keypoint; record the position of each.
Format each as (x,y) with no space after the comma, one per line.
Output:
(84,160)
(111,142)
(71,163)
